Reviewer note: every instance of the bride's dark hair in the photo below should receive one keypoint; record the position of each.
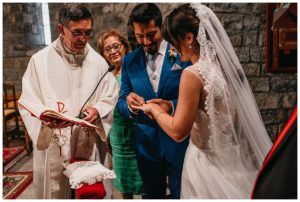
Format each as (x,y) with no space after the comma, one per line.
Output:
(179,22)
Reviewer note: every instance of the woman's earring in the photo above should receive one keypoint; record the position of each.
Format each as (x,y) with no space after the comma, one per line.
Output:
(190,46)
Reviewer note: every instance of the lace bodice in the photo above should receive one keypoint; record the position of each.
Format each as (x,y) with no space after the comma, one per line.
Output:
(211,97)
(200,133)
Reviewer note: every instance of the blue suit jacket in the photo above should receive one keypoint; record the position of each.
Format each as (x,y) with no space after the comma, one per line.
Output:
(151,141)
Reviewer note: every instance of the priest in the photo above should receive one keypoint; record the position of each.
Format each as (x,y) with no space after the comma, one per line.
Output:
(63,77)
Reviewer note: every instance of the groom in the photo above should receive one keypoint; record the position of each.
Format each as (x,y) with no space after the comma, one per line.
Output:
(151,72)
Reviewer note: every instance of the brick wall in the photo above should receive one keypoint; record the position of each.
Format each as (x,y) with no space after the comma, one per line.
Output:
(245,23)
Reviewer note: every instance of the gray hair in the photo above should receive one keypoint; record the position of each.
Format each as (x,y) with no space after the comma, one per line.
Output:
(73,12)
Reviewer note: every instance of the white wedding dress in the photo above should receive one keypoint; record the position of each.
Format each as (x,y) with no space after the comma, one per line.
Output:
(213,168)
(228,140)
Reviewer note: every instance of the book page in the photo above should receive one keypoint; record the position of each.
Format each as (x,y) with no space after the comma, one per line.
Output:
(65,117)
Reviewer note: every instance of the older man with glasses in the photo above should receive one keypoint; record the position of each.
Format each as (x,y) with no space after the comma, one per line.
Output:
(62,76)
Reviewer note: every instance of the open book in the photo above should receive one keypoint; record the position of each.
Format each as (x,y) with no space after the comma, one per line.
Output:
(44,113)
(51,114)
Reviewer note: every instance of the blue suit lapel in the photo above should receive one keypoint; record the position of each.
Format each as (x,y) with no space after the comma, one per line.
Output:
(166,68)
(140,67)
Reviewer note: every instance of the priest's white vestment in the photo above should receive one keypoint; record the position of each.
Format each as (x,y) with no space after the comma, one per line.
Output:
(53,76)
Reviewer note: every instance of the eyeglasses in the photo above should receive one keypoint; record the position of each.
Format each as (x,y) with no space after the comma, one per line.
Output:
(78,33)
(115,47)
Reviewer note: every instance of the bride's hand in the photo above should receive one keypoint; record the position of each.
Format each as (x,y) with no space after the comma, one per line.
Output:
(148,109)
(166,105)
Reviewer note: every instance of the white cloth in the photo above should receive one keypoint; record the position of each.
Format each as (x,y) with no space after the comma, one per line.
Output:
(50,78)
(87,172)
(154,77)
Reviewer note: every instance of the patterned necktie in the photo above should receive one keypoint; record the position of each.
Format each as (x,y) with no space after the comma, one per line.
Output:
(151,62)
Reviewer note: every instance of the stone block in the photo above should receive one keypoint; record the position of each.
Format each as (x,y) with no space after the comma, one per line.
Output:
(128,8)
(235,38)
(272,131)
(7,63)
(242,53)
(250,38)
(251,22)
(260,85)
(245,7)
(284,83)
(108,8)
(17,28)
(34,40)
(224,7)
(268,100)
(27,18)
(8,74)
(30,8)
(18,18)
(27,28)
(15,8)
(289,100)
(34,29)
(120,8)
(273,116)
(20,64)
(232,21)
(257,54)
(112,20)
(259,8)
(251,69)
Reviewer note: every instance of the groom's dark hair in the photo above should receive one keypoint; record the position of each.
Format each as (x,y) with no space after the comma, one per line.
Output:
(144,13)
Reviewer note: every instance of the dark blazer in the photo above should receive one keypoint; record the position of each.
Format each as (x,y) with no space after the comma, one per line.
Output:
(154,148)
(277,178)
(152,142)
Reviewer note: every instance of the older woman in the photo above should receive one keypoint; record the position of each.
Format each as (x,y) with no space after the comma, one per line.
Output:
(113,46)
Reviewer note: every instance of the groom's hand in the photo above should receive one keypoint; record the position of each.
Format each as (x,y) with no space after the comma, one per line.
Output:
(134,100)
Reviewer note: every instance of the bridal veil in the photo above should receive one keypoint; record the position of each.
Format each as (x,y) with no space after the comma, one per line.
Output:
(238,138)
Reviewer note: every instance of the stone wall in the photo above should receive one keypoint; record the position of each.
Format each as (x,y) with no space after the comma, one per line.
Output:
(22,37)
(245,23)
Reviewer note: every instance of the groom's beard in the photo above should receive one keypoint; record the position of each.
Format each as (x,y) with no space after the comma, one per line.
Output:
(152,48)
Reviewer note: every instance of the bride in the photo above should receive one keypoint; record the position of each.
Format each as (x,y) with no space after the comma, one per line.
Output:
(228,140)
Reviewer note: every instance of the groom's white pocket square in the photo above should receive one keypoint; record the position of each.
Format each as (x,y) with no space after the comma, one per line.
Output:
(175,67)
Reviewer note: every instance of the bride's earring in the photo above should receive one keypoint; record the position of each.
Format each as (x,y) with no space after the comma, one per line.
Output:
(190,46)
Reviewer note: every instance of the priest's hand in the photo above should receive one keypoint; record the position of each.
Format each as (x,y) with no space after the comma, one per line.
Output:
(55,123)
(92,114)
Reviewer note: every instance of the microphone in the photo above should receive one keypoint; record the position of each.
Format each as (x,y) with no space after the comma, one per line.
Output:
(110,68)
(82,115)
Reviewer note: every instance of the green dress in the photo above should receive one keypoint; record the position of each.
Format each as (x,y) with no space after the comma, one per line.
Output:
(122,140)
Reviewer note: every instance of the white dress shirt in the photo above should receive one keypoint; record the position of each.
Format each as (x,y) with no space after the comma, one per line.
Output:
(155,76)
